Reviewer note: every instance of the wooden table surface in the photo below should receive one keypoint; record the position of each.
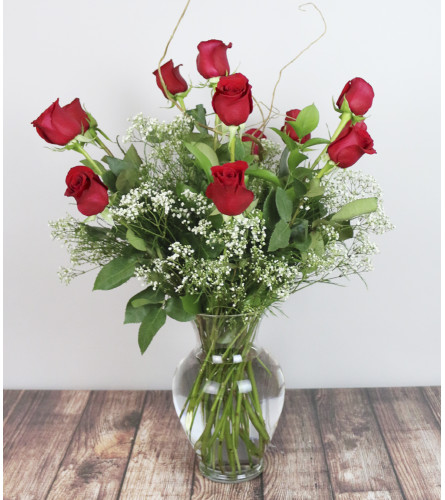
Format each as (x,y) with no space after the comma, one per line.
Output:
(337,444)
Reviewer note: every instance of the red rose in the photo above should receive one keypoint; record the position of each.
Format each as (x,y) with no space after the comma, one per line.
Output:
(256,133)
(228,191)
(232,100)
(172,78)
(61,125)
(359,95)
(292,116)
(87,189)
(351,145)
(212,58)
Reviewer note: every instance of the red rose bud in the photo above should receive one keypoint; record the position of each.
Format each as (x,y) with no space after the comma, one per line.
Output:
(232,100)
(288,129)
(228,191)
(172,78)
(61,125)
(87,189)
(256,133)
(359,95)
(351,145)
(212,58)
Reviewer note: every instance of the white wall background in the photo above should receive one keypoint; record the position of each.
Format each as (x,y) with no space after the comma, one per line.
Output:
(104,52)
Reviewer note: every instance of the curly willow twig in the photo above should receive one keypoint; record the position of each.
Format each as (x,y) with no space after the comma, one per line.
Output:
(266,121)
(268,118)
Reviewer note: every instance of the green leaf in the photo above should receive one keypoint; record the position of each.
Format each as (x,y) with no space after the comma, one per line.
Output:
(109,180)
(199,114)
(299,188)
(134,314)
(314,189)
(97,233)
(295,158)
(135,241)
(116,165)
(115,273)
(284,205)
(317,243)
(283,169)
(190,303)
(266,175)
(202,160)
(127,180)
(147,296)
(223,153)
(299,231)
(280,236)
(302,173)
(132,157)
(290,143)
(306,121)
(270,212)
(345,231)
(175,309)
(314,142)
(154,319)
(355,209)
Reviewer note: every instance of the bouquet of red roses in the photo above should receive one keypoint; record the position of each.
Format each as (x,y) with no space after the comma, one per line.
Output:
(216,219)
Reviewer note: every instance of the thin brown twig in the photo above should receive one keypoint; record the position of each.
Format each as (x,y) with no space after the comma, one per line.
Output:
(164,86)
(266,121)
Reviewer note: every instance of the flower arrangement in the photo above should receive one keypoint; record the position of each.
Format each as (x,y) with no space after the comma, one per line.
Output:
(216,219)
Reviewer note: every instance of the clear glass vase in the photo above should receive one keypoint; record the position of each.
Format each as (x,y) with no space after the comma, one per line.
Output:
(228,394)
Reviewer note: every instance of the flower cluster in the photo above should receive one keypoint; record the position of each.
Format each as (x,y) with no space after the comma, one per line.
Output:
(213,216)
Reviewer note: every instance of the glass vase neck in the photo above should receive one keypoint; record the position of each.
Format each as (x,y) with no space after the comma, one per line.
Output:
(231,333)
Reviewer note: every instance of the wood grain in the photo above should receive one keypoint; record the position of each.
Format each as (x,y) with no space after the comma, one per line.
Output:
(295,466)
(96,459)
(412,438)
(355,451)
(10,400)
(161,463)
(432,395)
(35,444)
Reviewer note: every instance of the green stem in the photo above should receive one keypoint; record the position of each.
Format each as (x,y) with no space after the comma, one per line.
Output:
(232,134)
(95,166)
(344,119)
(102,145)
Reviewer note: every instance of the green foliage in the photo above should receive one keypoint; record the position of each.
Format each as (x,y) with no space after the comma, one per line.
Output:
(280,236)
(115,273)
(205,157)
(290,143)
(266,175)
(175,309)
(199,115)
(355,209)
(306,121)
(284,205)
(135,241)
(154,319)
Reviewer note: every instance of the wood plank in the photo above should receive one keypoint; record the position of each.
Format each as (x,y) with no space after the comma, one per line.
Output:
(95,462)
(357,459)
(432,395)
(36,443)
(295,466)
(412,438)
(161,463)
(10,400)
(365,495)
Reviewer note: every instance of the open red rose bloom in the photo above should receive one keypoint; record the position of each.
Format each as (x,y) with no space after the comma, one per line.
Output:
(228,191)
(87,189)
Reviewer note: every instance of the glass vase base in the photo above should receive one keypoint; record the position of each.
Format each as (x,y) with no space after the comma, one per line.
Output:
(247,473)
